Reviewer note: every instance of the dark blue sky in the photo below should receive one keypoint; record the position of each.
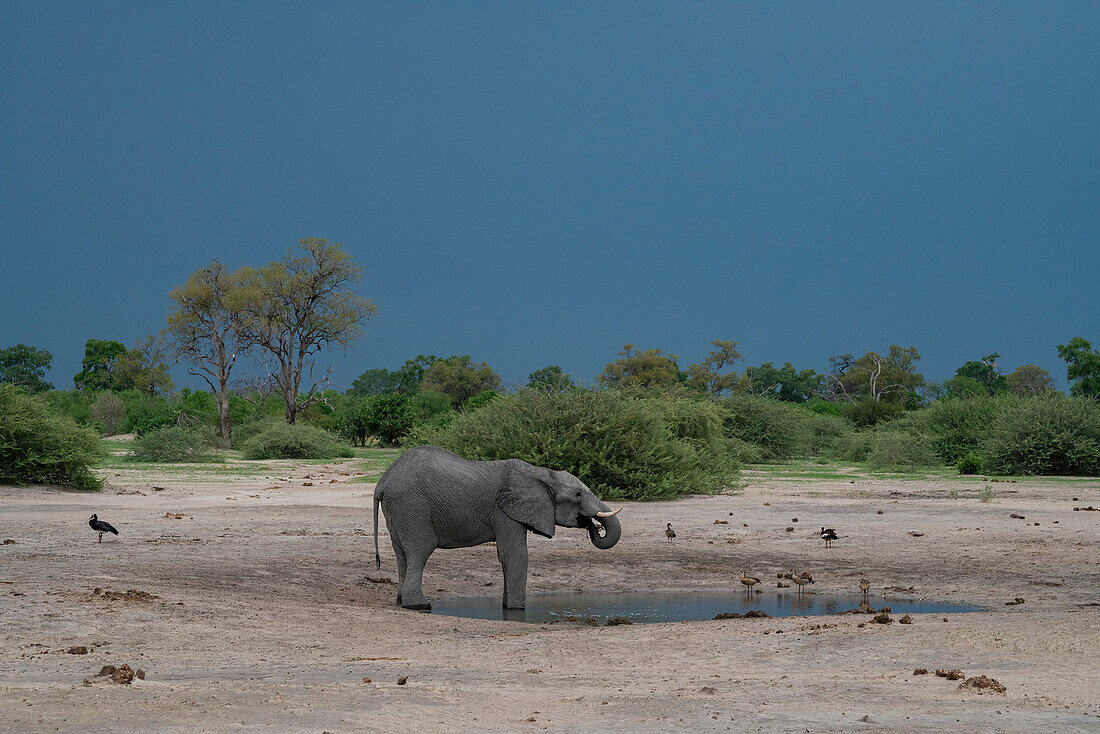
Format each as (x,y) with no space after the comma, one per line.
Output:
(542,183)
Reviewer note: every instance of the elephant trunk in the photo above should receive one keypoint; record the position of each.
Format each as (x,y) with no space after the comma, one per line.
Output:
(611,528)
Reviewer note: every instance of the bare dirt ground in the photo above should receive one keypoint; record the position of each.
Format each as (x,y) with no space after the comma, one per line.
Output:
(257,608)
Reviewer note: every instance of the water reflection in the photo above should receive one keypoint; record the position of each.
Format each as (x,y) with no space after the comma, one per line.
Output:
(644,607)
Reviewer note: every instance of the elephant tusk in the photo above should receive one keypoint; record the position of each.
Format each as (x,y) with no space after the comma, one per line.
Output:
(609,514)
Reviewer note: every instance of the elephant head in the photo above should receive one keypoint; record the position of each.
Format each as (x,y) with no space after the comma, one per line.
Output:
(542,499)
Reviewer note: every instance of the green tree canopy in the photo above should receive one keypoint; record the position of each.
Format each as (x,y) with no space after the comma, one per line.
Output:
(985,373)
(633,368)
(550,379)
(460,378)
(25,366)
(784,383)
(1029,380)
(375,382)
(99,365)
(708,375)
(1082,366)
(297,307)
(874,377)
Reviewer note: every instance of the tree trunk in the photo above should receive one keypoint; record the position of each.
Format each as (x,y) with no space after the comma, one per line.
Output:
(223,415)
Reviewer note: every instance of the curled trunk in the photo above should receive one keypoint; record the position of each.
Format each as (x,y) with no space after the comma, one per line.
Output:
(604,531)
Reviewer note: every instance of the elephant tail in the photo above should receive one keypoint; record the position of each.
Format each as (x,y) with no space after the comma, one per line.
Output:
(377,558)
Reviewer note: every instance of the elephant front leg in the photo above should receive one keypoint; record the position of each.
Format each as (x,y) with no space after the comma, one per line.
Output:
(512,552)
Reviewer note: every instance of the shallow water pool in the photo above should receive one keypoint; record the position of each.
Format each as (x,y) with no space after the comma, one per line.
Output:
(678,606)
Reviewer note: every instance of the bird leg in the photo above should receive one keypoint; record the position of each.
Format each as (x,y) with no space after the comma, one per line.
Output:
(101,537)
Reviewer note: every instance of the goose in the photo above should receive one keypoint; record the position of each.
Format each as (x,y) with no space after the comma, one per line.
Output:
(101,526)
(864,586)
(828,535)
(800,580)
(669,532)
(749,581)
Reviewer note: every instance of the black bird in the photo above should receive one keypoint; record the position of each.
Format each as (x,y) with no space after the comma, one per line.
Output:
(101,527)
(828,535)
(669,532)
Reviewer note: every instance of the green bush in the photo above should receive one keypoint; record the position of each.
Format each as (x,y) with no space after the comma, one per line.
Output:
(825,431)
(867,413)
(75,404)
(298,441)
(174,445)
(38,447)
(244,431)
(969,463)
(386,417)
(888,449)
(624,444)
(779,430)
(1048,435)
(956,426)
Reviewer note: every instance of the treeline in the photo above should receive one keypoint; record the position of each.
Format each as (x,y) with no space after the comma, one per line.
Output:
(647,427)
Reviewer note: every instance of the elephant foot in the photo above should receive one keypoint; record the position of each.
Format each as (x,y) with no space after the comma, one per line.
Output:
(425,607)
(513,607)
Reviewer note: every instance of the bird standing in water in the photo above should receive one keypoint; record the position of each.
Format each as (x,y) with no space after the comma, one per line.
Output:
(864,586)
(101,526)
(669,532)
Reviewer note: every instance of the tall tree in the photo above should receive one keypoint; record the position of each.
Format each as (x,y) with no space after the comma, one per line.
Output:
(298,306)
(1082,366)
(25,366)
(375,382)
(99,365)
(144,367)
(550,379)
(708,375)
(634,368)
(1029,380)
(875,377)
(205,330)
(460,378)
(784,383)
(986,373)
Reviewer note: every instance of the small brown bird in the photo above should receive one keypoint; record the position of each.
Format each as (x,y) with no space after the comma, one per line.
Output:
(800,580)
(864,586)
(669,532)
(749,581)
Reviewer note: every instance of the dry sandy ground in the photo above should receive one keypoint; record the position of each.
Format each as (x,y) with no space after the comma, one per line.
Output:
(264,618)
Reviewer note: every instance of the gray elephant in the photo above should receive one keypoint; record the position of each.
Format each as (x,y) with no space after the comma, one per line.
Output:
(433,498)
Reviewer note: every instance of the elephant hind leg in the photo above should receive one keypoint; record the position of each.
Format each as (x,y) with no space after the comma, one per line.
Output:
(411,592)
(399,552)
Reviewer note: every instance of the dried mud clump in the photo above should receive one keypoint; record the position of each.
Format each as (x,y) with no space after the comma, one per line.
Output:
(727,615)
(920,671)
(756,613)
(131,595)
(123,675)
(906,620)
(79,650)
(981,684)
(616,621)
(953,674)
(9,541)
(1018,600)
(882,618)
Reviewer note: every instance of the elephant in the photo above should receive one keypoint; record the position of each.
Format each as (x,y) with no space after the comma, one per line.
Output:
(432,498)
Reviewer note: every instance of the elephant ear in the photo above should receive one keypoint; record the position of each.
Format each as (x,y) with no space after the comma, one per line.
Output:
(525,496)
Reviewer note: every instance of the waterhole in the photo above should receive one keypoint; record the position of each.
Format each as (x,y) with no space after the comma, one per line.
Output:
(678,606)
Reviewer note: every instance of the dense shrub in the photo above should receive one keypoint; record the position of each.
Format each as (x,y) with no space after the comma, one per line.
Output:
(1050,434)
(824,431)
(779,430)
(623,444)
(868,413)
(108,413)
(38,447)
(296,441)
(75,404)
(969,463)
(174,444)
(956,426)
(888,448)
(386,417)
